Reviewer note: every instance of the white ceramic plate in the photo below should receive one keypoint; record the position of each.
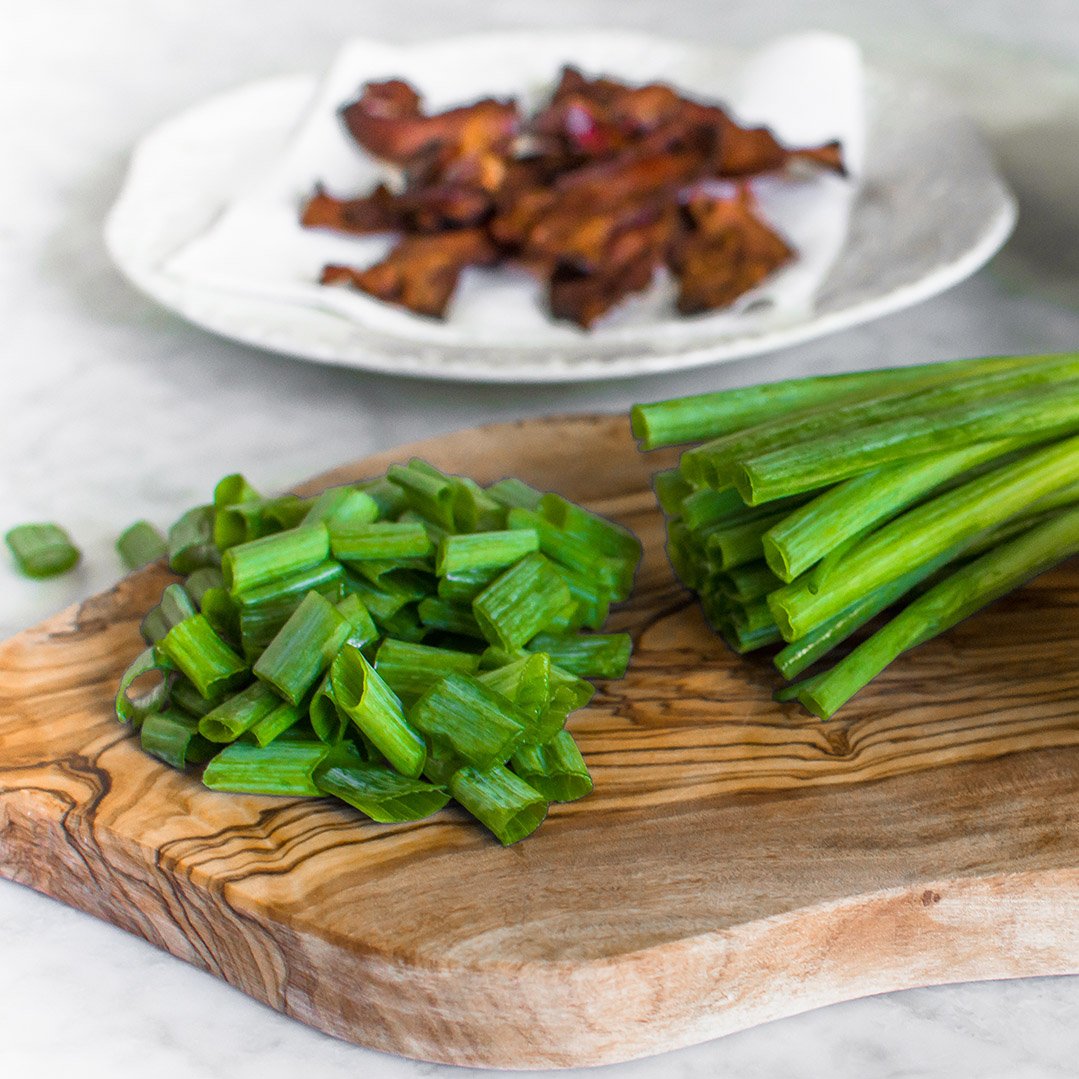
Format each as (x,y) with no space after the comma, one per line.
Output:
(931,210)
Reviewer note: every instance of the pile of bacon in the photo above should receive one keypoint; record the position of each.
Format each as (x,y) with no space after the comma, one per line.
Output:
(594,193)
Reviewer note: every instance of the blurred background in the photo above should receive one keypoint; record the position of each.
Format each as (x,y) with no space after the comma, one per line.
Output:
(114,409)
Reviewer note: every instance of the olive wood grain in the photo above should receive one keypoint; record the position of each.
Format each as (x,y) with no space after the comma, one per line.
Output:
(739,860)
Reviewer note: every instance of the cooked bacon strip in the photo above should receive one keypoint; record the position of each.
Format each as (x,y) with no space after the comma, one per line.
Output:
(384,127)
(377,212)
(421,272)
(606,183)
(726,251)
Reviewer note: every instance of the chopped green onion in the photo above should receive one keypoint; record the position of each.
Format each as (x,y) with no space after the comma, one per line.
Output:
(368,701)
(389,498)
(465,586)
(282,768)
(556,770)
(590,655)
(672,489)
(438,614)
(514,494)
(342,506)
(607,537)
(283,554)
(201,581)
(430,495)
(527,683)
(234,489)
(173,737)
(364,630)
(186,697)
(520,602)
(304,648)
(502,802)
(383,540)
(327,720)
(238,714)
(42,550)
(135,710)
(175,606)
(411,669)
(283,718)
(140,544)
(191,541)
(200,654)
(484,550)
(375,791)
(473,509)
(465,718)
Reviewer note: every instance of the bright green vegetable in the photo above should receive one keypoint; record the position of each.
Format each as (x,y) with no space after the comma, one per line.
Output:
(283,768)
(588,655)
(499,800)
(474,551)
(304,648)
(173,737)
(366,699)
(556,770)
(42,550)
(140,544)
(521,602)
(411,669)
(378,792)
(199,653)
(274,557)
(238,714)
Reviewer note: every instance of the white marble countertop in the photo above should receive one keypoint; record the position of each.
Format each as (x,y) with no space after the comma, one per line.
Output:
(114,409)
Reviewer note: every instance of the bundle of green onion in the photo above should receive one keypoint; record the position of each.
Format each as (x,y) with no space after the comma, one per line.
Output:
(811,506)
(393,644)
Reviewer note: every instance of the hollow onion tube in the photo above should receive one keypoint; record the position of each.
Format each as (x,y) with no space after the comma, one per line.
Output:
(327,720)
(389,498)
(807,466)
(956,597)
(238,714)
(430,495)
(527,683)
(376,791)
(556,769)
(472,551)
(706,506)
(513,493)
(283,554)
(183,695)
(366,699)
(750,581)
(732,545)
(283,768)
(473,509)
(607,537)
(140,544)
(465,586)
(672,489)
(41,550)
(521,602)
(410,669)
(382,540)
(926,531)
(234,489)
(175,605)
(199,653)
(191,541)
(808,533)
(134,710)
(588,655)
(575,551)
(364,631)
(501,801)
(173,737)
(283,717)
(710,415)
(304,648)
(464,718)
(436,613)
(340,507)
(591,598)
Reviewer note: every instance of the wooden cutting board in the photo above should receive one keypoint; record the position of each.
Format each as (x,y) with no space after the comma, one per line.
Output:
(739,860)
